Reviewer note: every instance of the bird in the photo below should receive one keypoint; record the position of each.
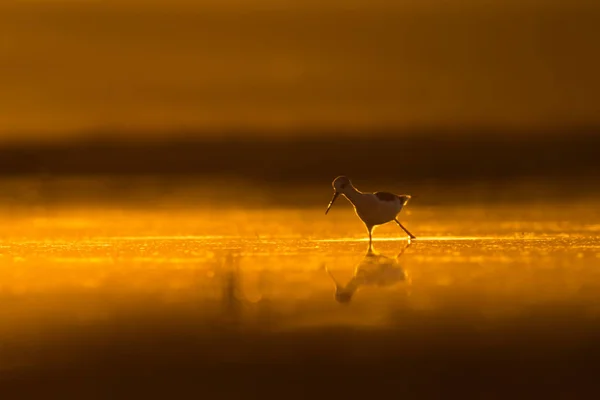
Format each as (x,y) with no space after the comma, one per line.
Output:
(372,208)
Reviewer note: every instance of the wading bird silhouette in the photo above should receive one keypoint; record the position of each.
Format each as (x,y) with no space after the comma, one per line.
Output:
(372,208)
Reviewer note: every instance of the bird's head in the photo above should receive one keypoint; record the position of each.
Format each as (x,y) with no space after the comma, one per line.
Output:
(340,185)
(343,296)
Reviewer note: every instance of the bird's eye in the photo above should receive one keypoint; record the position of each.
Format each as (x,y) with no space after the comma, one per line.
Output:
(343,185)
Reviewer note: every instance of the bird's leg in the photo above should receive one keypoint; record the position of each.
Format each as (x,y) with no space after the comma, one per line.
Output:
(404,229)
(370,229)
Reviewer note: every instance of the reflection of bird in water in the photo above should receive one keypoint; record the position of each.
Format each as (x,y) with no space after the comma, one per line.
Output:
(372,208)
(374,270)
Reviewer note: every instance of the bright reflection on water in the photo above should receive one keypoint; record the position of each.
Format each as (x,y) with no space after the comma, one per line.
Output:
(95,272)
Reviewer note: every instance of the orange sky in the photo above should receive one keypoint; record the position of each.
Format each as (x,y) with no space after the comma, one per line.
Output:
(71,67)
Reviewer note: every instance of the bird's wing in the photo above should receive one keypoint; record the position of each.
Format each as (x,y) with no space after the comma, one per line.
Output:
(385,196)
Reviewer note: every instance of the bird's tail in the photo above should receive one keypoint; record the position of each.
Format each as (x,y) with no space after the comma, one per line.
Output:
(404,199)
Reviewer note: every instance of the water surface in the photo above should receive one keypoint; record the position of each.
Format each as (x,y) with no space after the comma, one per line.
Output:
(186,294)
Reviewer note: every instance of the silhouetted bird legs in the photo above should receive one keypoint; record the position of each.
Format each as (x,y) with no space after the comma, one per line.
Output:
(404,229)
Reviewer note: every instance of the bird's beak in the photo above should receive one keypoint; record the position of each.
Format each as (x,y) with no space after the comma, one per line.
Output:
(335,196)
(337,284)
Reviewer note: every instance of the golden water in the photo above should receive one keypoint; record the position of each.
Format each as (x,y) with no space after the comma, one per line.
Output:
(70,277)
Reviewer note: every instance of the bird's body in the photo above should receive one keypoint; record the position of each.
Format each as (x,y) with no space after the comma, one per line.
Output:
(372,208)
(377,208)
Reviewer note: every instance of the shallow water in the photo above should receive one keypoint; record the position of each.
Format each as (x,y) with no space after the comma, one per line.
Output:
(80,286)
